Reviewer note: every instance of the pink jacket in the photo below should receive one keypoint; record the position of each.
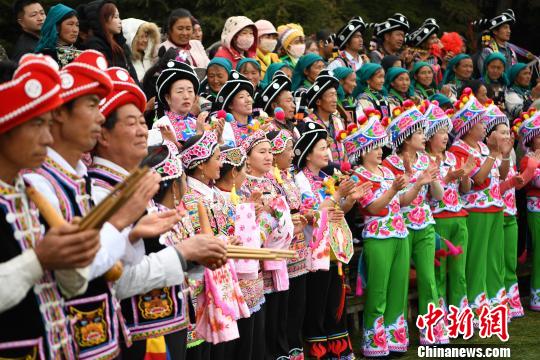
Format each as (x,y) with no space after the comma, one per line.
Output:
(233,55)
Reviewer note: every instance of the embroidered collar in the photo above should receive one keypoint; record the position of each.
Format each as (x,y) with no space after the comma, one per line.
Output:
(177,117)
(421,163)
(16,188)
(56,160)
(377,97)
(207,191)
(315,181)
(109,166)
(365,173)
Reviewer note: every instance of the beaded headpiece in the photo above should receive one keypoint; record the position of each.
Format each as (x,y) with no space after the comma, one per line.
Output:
(527,127)
(407,119)
(493,116)
(279,142)
(171,167)
(436,118)
(253,140)
(199,152)
(365,135)
(469,112)
(235,156)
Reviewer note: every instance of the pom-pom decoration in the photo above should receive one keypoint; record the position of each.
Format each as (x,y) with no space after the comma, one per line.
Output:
(467,91)
(221,114)
(352,128)
(279,114)
(407,104)
(397,111)
(341,135)
(229,117)
(369,112)
(385,121)
(345,166)
(362,119)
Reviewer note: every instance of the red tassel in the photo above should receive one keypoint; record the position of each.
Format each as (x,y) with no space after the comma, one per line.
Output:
(341,307)
(441,253)
(523,257)
(452,249)
(359,288)
(437,263)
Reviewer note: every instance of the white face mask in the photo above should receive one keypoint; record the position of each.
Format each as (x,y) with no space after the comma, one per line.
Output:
(268,45)
(244,42)
(297,50)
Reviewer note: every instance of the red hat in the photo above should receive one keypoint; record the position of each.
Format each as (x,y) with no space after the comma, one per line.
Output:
(125,91)
(86,75)
(34,90)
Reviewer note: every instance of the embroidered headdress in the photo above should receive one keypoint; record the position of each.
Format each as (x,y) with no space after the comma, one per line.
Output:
(200,151)
(170,167)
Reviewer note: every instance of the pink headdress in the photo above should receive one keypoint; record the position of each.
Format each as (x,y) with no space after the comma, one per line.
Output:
(199,152)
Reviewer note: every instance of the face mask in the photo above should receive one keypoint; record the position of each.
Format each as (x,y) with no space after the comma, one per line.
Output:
(268,45)
(244,42)
(297,50)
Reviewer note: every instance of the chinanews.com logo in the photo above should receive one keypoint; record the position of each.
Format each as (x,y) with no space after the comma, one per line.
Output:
(490,321)
(462,351)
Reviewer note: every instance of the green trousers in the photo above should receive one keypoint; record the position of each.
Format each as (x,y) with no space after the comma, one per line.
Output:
(510,251)
(450,275)
(533,220)
(422,248)
(485,259)
(496,290)
(387,267)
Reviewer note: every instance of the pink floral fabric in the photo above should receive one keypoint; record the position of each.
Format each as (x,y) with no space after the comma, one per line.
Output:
(391,225)
(509,197)
(487,196)
(451,200)
(418,214)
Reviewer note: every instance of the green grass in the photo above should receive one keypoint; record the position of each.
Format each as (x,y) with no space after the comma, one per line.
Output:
(524,341)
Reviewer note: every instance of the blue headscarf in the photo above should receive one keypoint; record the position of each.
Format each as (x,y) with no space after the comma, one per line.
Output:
(392,73)
(271,70)
(363,75)
(224,63)
(514,71)
(449,74)
(248,60)
(441,99)
(491,57)
(303,63)
(416,68)
(341,73)
(49,31)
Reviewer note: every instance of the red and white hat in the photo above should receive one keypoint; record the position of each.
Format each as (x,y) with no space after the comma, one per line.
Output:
(125,91)
(86,75)
(34,90)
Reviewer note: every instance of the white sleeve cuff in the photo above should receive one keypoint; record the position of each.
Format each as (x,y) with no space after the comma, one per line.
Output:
(113,247)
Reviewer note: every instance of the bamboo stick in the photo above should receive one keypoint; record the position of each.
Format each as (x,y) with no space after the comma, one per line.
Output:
(251,256)
(53,218)
(204,222)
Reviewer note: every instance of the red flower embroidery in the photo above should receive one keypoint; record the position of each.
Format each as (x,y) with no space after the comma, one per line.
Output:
(372,227)
(417,215)
(398,224)
(450,197)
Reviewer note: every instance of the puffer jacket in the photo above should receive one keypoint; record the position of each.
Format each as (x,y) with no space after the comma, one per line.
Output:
(141,61)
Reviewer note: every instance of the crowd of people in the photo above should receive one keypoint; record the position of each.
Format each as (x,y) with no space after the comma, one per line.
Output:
(406,149)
